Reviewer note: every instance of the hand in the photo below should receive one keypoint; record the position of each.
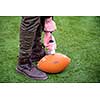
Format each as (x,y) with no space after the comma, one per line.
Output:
(51,46)
(49,25)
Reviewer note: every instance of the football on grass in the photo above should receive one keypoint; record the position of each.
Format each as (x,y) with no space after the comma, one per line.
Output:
(54,63)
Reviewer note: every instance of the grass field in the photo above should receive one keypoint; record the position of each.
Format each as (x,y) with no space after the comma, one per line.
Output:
(77,37)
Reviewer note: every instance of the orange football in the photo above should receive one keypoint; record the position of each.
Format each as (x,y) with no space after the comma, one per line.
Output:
(53,63)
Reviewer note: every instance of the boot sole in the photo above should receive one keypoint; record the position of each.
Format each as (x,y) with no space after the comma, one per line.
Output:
(35,78)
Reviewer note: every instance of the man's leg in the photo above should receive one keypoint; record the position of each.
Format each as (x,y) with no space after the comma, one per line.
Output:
(38,50)
(28,28)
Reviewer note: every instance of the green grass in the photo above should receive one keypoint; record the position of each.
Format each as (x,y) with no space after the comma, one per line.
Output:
(77,37)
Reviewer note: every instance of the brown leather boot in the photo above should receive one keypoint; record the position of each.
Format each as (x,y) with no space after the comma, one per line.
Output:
(27,68)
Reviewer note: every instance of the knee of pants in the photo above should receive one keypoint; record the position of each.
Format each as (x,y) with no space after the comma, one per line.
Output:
(29,23)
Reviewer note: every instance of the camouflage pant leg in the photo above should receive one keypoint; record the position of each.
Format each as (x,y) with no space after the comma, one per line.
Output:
(28,28)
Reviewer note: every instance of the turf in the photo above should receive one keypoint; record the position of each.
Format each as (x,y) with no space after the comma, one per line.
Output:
(77,37)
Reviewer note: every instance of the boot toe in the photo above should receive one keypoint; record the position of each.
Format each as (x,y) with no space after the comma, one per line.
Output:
(38,74)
